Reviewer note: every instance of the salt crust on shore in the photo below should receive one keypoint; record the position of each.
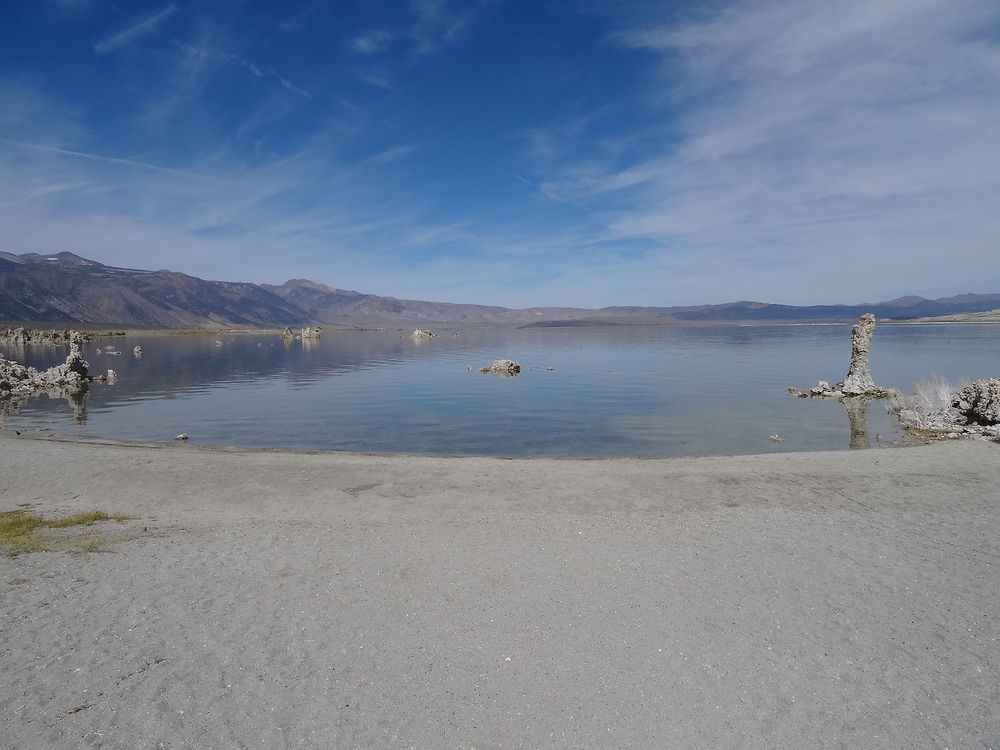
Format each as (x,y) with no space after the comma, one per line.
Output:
(847,599)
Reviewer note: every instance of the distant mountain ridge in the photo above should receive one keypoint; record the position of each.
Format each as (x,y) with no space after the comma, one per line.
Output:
(66,288)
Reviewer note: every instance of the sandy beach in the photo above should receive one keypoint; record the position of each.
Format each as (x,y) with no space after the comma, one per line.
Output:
(311,600)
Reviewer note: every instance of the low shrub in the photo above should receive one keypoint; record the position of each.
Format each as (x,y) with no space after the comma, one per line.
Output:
(930,406)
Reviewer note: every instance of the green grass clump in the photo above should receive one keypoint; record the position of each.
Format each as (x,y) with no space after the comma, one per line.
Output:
(18,532)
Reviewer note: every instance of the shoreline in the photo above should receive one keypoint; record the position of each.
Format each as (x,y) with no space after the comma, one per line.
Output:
(107,330)
(320,599)
(916,437)
(185,445)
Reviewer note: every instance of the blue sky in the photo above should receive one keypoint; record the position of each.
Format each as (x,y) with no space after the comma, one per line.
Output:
(513,153)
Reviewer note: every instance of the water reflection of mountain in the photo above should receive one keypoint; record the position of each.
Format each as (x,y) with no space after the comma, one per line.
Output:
(175,363)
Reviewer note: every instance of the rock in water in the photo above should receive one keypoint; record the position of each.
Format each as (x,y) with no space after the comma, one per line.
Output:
(419,333)
(18,379)
(859,380)
(71,372)
(503,367)
(21,336)
(311,333)
(859,375)
(979,401)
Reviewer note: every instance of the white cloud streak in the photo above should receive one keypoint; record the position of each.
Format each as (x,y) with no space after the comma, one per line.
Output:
(371,42)
(438,23)
(293,88)
(297,22)
(105,159)
(136,31)
(209,53)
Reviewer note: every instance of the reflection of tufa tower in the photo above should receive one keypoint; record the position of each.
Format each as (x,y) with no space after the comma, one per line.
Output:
(858,408)
(75,395)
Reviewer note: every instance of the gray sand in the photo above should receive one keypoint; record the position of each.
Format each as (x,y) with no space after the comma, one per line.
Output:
(333,600)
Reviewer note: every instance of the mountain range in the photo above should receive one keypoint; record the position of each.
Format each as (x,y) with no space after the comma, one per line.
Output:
(66,288)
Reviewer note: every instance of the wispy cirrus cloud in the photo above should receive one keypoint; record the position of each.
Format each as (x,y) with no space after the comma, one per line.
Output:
(285,83)
(41,189)
(103,158)
(371,42)
(207,52)
(374,76)
(298,21)
(138,29)
(291,214)
(438,23)
(394,153)
(434,24)
(838,141)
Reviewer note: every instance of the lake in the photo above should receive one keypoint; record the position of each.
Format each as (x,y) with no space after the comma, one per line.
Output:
(616,391)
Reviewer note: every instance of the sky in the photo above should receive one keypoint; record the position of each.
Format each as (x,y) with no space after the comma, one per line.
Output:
(510,152)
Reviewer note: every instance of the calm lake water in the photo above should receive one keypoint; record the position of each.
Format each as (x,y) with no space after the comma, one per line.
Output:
(613,391)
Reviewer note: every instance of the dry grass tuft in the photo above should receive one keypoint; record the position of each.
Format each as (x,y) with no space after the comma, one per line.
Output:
(85,519)
(86,547)
(15,523)
(19,532)
(21,545)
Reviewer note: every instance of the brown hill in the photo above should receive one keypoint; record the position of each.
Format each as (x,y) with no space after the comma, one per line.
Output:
(64,287)
(67,288)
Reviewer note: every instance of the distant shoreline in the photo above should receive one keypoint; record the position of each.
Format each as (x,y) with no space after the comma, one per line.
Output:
(111,329)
